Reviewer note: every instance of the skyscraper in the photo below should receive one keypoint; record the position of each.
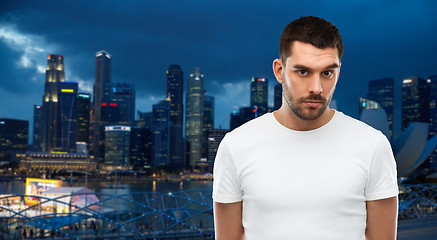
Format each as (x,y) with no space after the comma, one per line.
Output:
(37,128)
(83,118)
(59,108)
(382,92)
(161,133)
(208,121)
(13,137)
(122,95)
(259,95)
(432,159)
(194,116)
(175,90)
(102,78)
(415,101)
(117,146)
(278,96)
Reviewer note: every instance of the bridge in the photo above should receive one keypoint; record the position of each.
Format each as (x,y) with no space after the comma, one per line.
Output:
(147,215)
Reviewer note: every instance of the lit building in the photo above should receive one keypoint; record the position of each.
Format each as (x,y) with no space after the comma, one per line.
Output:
(37,128)
(366,104)
(161,133)
(277,100)
(102,78)
(145,119)
(13,137)
(208,121)
(66,123)
(194,116)
(175,91)
(415,101)
(215,136)
(122,96)
(382,92)
(432,159)
(259,95)
(55,161)
(242,116)
(141,148)
(117,147)
(83,118)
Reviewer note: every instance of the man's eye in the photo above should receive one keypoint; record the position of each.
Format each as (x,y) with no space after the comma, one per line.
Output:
(302,72)
(327,73)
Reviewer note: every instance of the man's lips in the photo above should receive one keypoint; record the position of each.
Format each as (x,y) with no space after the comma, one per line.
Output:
(312,103)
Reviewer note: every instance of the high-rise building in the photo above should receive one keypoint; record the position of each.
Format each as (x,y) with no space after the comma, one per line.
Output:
(259,95)
(59,116)
(382,92)
(194,116)
(161,133)
(13,137)
(208,121)
(145,119)
(141,148)
(122,96)
(432,159)
(102,78)
(175,91)
(66,125)
(366,104)
(54,75)
(415,101)
(215,136)
(37,128)
(83,118)
(235,120)
(277,96)
(117,147)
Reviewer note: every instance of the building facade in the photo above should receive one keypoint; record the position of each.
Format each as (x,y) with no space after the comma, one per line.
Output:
(415,101)
(175,92)
(117,147)
(37,128)
(14,135)
(277,99)
(259,95)
(382,92)
(161,133)
(194,116)
(83,118)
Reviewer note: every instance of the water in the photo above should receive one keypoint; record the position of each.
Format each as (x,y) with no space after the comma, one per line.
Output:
(18,187)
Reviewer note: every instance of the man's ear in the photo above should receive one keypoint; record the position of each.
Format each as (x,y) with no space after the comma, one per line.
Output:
(277,69)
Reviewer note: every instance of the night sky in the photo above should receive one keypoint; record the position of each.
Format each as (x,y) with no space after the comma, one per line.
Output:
(231,41)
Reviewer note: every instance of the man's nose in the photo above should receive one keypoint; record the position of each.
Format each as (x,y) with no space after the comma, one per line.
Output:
(315,85)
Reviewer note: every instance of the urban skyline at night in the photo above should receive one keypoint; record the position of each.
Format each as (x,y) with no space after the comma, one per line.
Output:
(227,41)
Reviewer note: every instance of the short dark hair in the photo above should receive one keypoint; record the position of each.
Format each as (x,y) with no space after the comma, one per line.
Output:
(313,30)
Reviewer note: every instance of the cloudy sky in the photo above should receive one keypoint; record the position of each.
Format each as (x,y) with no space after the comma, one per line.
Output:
(231,41)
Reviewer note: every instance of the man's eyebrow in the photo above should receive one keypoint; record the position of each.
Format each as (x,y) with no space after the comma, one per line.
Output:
(302,67)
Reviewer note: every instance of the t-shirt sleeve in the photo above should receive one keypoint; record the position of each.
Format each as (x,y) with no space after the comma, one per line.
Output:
(382,181)
(226,187)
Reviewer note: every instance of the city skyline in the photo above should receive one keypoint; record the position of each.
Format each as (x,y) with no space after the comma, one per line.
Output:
(227,41)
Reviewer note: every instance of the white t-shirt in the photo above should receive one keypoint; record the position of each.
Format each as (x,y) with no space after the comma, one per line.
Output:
(304,184)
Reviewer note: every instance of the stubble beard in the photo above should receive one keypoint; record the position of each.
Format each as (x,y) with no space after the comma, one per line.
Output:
(296,105)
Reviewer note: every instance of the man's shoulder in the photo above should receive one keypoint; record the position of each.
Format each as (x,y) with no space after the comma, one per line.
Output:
(252,128)
(354,126)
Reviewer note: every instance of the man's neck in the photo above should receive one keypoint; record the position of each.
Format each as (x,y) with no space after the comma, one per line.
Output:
(288,118)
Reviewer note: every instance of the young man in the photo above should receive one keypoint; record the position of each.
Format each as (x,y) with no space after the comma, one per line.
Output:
(305,171)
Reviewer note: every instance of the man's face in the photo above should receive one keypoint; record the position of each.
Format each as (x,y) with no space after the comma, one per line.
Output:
(309,78)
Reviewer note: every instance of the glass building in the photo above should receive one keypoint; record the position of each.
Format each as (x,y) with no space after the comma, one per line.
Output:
(259,95)
(277,97)
(175,91)
(194,116)
(83,118)
(117,147)
(37,128)
(161,133)
(14,135)
(415,101)
(382,92)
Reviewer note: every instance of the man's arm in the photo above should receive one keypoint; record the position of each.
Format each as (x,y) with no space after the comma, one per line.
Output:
(382,216)
(228,221)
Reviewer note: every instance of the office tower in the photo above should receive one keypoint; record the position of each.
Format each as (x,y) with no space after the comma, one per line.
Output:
(382,92)
(141,148)
(208,121)
(54,74)
(37,128)
(59,108)
(83,118)
(122,97)
(432,159)
(194,116)
(117,145)
(177,146)
(215,136)
(102,78)
(235,120)
(415,101)
(161,133)
(175,90)
(259,95)
(13,137)
(277,96)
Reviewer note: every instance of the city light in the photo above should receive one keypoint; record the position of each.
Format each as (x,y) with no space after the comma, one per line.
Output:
(67,90)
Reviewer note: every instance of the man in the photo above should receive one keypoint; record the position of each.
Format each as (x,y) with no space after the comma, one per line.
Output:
(305,171)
